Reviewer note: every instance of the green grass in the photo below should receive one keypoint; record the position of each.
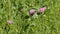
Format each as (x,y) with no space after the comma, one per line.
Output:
(48,23)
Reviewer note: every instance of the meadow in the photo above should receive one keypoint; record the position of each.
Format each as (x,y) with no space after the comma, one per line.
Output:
(23,23)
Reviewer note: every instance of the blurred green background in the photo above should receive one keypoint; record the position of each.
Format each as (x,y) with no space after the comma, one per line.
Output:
(18,12)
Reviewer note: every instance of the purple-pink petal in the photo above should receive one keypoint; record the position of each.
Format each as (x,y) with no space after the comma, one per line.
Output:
(32,11)
(42,9)
(9,21)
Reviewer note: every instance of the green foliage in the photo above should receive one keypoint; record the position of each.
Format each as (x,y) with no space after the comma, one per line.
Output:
(23,23)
